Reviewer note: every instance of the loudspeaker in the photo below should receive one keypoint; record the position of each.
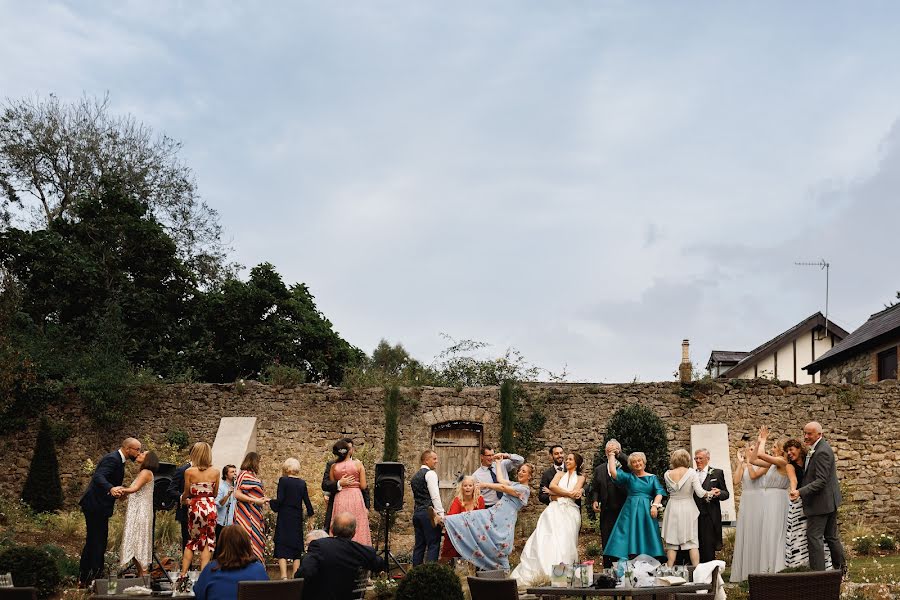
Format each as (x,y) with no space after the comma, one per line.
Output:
(161,481)
(389,486)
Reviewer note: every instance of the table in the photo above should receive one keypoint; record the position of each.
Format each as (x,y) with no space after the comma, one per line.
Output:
(134,597)
(618,593)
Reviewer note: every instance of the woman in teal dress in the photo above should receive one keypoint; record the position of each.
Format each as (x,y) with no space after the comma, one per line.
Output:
(636,530)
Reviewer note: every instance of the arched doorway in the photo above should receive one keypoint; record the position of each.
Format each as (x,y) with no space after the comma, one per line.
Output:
(458,446)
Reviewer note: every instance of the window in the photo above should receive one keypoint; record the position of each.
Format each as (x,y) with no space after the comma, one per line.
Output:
(887,364)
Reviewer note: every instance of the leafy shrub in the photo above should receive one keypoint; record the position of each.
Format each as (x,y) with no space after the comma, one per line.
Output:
(31,567)
(278,374)
(639,429)
(43,490)
(68,566)
(865,544)
(887,542)
(430,580)
(593,550)
(178,438)
(384,588)
(800,569)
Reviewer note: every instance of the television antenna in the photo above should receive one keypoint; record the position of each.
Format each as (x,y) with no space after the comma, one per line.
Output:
(822,264)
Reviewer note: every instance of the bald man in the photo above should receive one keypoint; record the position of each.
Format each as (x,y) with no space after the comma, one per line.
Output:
(97,504)
(821,495)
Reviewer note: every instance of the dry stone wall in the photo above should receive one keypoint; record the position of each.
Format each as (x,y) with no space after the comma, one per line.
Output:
(861,423)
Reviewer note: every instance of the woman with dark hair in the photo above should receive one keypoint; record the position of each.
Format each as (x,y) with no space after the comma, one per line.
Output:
(137,535)
(251,498)
(201,483)
(235,562)
(225,501)
(349,498)
(555,539)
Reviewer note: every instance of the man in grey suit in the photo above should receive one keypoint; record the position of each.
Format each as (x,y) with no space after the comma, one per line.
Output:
(821,496)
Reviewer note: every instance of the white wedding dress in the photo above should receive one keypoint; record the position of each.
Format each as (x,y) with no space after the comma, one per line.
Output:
(554,540)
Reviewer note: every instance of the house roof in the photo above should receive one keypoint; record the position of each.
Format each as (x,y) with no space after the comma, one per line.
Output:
(880,325)
(725,356)
(813,321)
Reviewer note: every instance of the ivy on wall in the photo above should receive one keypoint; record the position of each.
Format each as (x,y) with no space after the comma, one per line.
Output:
(392,400)
(521,419)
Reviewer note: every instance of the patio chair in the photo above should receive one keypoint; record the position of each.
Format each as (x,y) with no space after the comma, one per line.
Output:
(811,585)
(19,593)
(362,584)
(482,588)
(289,589)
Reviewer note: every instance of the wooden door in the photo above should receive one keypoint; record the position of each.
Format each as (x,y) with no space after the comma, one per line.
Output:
(458,446)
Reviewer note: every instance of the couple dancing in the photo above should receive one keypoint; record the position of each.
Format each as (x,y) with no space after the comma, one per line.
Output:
(555,538)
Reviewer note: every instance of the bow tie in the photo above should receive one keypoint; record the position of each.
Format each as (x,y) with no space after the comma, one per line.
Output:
(559,469)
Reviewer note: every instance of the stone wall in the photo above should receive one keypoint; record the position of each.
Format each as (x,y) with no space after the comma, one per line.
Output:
(861,423)
(857,369)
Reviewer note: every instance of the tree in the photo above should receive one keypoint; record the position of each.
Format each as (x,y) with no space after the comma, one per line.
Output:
(242,327)
(43,490)
(55,154)
(392,401)
(639,429)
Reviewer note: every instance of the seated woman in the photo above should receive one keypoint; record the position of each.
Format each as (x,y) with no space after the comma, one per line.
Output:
(636,531)
(236,562)
(468,498)
(485,537)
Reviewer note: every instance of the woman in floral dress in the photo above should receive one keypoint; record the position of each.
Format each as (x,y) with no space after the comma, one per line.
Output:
(201,483)
(251,497)
(485,537)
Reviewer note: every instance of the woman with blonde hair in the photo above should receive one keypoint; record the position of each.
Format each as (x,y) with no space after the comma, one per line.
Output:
(468,498)
(679,526)
(288,503)
(201,484)
(636,530)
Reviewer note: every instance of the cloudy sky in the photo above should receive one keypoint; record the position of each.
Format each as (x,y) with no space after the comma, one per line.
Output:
(589,182)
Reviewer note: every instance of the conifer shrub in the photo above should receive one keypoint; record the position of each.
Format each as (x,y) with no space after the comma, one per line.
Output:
(43,489)
(433,581)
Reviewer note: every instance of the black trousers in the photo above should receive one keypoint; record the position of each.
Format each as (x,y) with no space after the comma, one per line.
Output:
(607,522)
(427,539)
(91,566)
(709,542)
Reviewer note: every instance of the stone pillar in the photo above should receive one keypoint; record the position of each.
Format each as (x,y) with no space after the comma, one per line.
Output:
(685,369)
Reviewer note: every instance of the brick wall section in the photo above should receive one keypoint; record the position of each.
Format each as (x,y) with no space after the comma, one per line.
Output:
(861,422)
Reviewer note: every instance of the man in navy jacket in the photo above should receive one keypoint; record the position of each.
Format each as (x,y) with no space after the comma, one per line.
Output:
(97,504)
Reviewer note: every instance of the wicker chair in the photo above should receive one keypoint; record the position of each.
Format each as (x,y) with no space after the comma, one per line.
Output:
(813,585)
(288,589)
(19,593)
(482,588)
(498,574)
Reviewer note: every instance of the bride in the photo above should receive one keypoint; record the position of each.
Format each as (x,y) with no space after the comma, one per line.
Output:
(555,539)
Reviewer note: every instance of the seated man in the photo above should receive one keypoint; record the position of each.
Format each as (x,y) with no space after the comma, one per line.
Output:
(332,564)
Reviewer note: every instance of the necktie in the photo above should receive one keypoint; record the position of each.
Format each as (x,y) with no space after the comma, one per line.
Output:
(494,479)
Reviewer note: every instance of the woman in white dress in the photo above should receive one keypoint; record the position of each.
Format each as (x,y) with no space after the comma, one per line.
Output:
(679,526)
(748,554)
(555,539)
(137,534)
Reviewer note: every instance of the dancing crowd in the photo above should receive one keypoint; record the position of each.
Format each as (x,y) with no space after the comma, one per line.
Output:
(787,515)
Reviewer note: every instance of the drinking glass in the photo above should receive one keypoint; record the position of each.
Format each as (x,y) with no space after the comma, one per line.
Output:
(6,580)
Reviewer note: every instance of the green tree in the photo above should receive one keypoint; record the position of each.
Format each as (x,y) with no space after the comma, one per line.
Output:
(54,154)
(43,490)
(243,327)
(639,429)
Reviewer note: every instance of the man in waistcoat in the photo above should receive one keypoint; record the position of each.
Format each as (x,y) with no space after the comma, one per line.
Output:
(426,494)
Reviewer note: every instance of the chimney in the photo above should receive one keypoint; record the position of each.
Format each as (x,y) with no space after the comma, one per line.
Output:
(685,369)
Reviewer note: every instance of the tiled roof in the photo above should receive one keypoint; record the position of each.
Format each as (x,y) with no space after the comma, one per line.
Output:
(879,326)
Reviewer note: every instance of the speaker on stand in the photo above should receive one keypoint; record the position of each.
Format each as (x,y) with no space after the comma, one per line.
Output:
(389,486)
(161,501)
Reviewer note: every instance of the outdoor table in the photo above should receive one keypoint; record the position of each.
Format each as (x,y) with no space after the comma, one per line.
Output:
(137,597)
(619,593)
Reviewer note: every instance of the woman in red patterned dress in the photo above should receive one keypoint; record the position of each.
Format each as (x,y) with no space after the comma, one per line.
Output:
(201,483)
(251,498)
(468,497)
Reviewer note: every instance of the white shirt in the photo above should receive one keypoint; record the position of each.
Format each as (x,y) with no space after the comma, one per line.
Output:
(431,480)
(810,453)
(122,456)
(483,474)
(702,473)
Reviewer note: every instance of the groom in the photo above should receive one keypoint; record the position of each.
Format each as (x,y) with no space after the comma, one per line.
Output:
(709,523)
(821,496)
(558,456)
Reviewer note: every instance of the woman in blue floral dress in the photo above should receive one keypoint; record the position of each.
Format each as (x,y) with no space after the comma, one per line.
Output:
(485,537)
(636,530)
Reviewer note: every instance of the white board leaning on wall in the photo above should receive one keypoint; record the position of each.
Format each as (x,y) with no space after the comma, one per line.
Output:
(714,437)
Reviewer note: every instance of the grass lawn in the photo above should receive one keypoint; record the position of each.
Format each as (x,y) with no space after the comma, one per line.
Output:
(883,569)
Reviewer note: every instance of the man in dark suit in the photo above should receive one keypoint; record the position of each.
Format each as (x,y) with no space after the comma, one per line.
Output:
(97,504)
(331,566)
(821,496)
(174,491)
(558,457)
(607,497)
(333,487)
(709,523)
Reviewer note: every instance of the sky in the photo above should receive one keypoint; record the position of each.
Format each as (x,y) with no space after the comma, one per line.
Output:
(587,182)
